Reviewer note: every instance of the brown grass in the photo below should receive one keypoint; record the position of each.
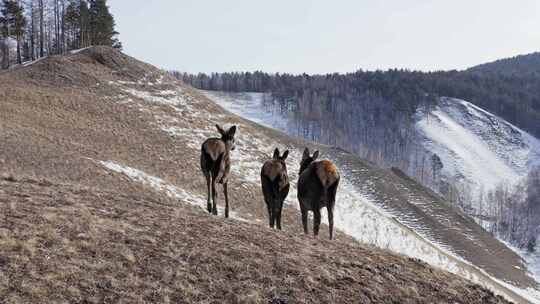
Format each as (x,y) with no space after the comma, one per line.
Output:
(80,245)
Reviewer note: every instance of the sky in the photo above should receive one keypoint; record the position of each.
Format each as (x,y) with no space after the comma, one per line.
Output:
(322,36)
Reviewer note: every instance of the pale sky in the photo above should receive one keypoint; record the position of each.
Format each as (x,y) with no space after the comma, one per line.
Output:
(322,36)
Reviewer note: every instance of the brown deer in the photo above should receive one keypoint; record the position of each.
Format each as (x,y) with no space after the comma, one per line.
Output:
(216,165)
(275,186)
(317,187)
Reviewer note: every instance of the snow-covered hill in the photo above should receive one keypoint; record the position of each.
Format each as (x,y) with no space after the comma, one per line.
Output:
(368,215)
(476,147)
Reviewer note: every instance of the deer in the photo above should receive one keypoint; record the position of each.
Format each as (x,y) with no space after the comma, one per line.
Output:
(317,187)
(216,165)
(275,186)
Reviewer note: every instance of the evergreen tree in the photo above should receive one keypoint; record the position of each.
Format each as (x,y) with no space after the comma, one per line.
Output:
(102,24)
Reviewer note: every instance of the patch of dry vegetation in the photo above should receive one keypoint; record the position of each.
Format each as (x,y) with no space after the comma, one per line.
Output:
(61,243)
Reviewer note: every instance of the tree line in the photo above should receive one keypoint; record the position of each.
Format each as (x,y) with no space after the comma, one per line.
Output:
(511,96)
(31,29)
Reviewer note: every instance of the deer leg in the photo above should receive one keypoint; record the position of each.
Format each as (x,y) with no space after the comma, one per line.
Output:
(214,195)
(304,219)
(209,192)
(225,192)
(330,207)
(279,206)
(270,215)
(316,221)
(330,220)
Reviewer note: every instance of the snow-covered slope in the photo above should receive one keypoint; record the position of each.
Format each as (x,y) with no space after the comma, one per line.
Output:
(360,215)
(476,147)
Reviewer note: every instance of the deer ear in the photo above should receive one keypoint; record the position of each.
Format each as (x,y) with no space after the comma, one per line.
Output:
(285,154)
(220,130)
(315,155)
(276,154)
(306,154)
(232,131)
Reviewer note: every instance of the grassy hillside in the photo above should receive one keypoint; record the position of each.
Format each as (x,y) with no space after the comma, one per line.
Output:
(99,154)
(69,243)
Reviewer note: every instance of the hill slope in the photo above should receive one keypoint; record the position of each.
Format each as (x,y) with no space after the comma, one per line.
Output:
(67,243)
(121,138)
(476,147)
(519,65)
(414,207)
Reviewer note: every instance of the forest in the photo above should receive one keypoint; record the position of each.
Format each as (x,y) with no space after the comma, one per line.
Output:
(514,212)
(373,114)
(32,29)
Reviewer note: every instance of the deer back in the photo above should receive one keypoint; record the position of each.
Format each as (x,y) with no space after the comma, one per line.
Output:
(326,172)
(214,147)
(274,169)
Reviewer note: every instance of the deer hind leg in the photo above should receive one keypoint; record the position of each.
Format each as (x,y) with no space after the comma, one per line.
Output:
(316,221)
(330,207)
(268,199)
(277,213)
(225,192)
(281,198)
(209,192)
(304,218)
(330,220)
(216,168)
(214,196)
(275,205)
(270,214)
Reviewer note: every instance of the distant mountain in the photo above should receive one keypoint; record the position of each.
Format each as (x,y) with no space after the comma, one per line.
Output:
(515,66)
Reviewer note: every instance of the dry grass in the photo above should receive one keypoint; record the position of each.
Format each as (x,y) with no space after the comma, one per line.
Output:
(75,232)
(78,245)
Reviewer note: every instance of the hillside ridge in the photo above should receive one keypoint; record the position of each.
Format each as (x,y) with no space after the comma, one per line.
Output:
(519,65)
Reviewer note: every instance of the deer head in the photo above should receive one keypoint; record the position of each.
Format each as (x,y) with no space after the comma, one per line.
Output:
(307,159)
(227,137)
(282,157)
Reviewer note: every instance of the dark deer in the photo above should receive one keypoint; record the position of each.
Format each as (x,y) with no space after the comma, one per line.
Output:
(216,165)
(275,186)
(317,187)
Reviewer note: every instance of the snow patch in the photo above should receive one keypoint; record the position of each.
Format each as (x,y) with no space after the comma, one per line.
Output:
(79,50)
(29,63)
(252,106)
(160,185)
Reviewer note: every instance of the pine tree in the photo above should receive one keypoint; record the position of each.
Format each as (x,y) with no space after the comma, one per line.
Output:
(102,24)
